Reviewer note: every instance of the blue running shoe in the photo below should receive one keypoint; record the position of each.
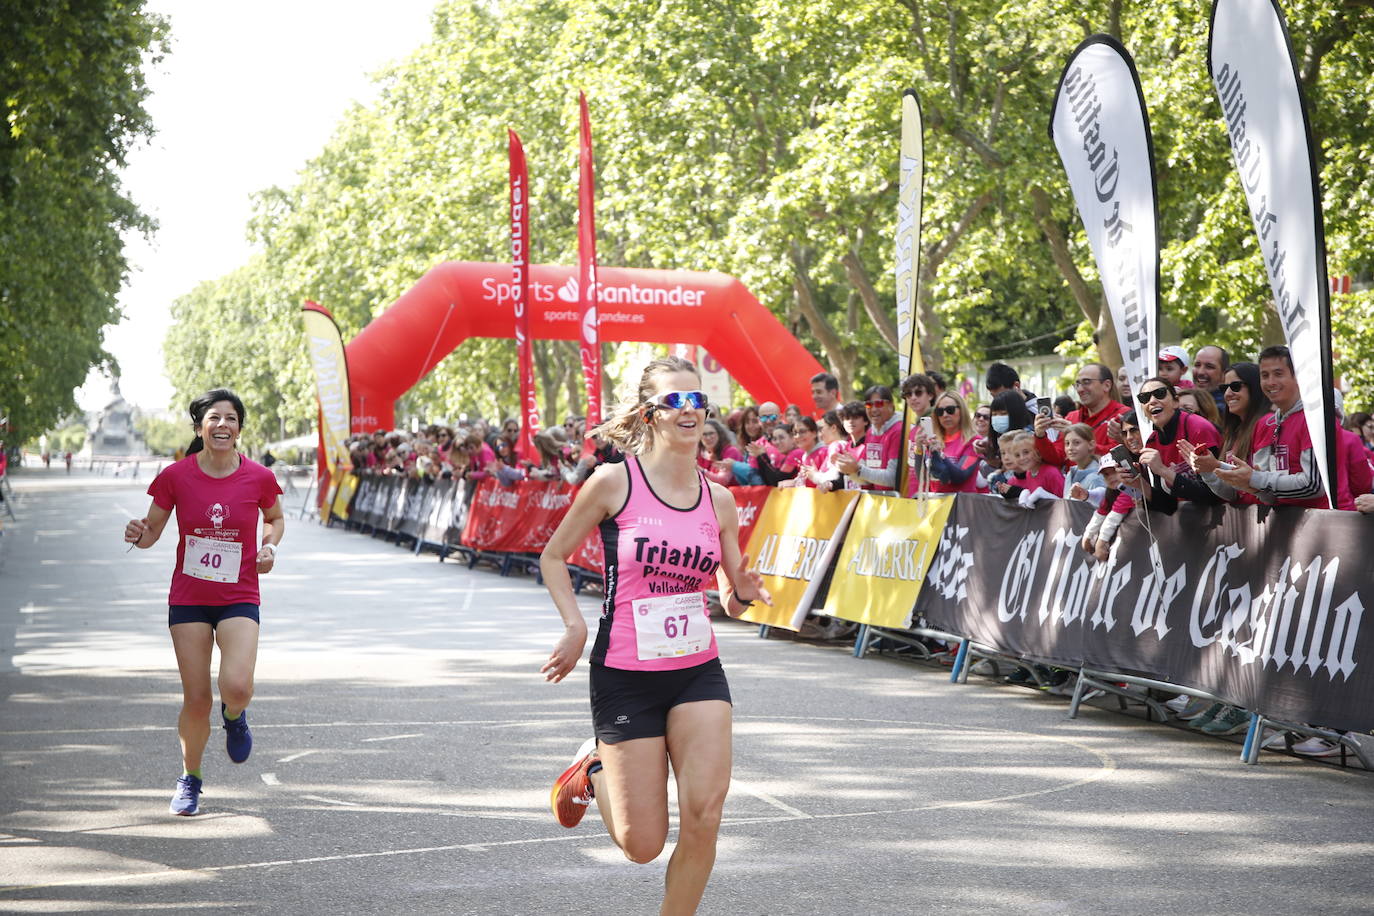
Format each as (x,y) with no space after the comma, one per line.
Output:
(238,740)
(186,801)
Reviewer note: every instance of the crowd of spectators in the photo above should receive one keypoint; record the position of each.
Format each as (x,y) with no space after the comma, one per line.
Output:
(479,450)
(1214,432)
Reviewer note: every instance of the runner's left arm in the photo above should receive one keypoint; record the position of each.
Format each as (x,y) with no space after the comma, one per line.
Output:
(739,585)
(273,527)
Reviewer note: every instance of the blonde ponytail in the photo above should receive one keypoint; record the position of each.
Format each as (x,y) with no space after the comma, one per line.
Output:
(627,428)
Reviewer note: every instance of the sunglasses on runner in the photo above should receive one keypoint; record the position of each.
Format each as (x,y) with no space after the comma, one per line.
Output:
(677,400)
(1236,386)
(947,409)
(1146,397)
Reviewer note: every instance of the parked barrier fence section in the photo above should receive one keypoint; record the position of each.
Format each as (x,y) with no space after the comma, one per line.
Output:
(1259,608)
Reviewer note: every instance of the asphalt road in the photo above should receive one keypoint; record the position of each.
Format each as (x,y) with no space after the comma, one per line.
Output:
(405,744)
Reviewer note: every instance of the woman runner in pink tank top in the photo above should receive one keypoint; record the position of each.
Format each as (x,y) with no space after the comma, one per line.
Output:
(658,691)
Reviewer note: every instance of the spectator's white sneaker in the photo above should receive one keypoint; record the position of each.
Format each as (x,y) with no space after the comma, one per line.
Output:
(1317,747)
(1178,703)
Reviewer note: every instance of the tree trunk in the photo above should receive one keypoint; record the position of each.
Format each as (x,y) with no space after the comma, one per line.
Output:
(1272,334)
(1108,346)
(1088,303)
(858,276)
(927,322)
(840,358)
(545,370)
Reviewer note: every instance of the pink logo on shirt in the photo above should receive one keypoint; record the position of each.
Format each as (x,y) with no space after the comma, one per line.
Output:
(217,513)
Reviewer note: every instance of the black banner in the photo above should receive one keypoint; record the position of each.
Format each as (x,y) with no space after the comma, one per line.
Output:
(1261,607)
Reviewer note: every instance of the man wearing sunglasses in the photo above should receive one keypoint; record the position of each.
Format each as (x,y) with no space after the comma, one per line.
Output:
(770,416)
(1095,389)
(882,447)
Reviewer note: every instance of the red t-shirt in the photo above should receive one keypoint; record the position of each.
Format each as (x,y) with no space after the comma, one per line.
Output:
(217,518)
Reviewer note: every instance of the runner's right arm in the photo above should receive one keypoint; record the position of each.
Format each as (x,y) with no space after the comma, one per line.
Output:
(601,496)
(144,532)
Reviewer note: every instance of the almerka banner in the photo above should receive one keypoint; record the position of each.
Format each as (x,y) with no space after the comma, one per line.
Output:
(326,348)
(1263,608)
(911,177)
(520,283)
(1100,128)
(885,558)
(910,185)
(1251,62)
(590,344)
(791,547)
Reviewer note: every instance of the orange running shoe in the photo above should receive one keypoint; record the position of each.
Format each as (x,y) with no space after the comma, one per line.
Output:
(572,791)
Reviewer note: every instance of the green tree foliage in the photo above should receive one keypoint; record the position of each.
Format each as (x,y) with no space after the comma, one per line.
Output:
(71,84)
(163,436)
(758,137)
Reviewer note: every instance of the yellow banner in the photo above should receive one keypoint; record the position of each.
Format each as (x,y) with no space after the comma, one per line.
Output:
(326,349)
(910,185)
(343,495)
(886,555)
(791,548)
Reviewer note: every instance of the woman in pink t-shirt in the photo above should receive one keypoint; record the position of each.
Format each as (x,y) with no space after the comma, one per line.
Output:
(217,495)
(658,691)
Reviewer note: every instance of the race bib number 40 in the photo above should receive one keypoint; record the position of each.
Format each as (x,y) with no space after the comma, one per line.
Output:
(212,560)
(671,626)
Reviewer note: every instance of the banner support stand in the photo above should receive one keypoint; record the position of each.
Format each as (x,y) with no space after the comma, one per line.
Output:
(960,659)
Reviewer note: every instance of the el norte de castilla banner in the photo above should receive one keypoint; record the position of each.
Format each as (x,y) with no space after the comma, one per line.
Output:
(1251,62)
(1102,132)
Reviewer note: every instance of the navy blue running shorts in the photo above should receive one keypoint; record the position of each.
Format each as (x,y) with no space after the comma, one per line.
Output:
(635,704)
(209,613)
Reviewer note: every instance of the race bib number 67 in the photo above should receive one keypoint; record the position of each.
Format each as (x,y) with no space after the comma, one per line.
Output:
(671,626)
(211,559)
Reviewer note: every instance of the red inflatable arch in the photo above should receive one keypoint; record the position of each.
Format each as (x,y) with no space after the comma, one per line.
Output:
(460,299)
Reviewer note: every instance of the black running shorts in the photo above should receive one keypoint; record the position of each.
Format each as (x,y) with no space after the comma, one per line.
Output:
(209,613)
(635,704)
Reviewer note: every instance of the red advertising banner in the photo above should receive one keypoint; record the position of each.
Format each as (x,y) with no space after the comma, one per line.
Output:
(749,501)
(590,346)
(523,518)
(520,283)
(519,519)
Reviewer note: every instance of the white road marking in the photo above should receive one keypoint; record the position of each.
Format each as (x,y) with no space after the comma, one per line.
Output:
(393,737)
(292,757)
(271,779)
(331,801)
(768,799)
(1107,769)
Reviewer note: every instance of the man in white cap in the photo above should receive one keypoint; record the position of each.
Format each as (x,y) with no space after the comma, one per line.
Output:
(1173,363)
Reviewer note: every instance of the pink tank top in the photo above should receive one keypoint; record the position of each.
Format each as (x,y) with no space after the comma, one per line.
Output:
(659,561)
